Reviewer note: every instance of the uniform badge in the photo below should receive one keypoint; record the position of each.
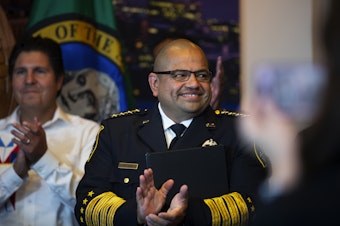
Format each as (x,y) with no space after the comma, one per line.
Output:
(209,142)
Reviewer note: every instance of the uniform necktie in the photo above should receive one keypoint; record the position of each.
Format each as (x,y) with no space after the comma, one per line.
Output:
(178,129)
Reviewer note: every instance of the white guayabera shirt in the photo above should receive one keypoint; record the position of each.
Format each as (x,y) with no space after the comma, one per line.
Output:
(47,195)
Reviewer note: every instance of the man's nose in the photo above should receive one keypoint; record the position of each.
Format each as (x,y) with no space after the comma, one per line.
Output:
(30,77)
(193,80)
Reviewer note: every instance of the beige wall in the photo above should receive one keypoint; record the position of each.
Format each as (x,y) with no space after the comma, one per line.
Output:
(277,30)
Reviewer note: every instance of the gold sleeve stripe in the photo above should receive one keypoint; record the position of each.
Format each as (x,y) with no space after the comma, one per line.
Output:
(226,218)
(241,205)
(96,143)
(233,210)
(90,206)
(216,221)
(258,156)
(228,210)
(105,209)
(98,208)
(113,209)
(101,209)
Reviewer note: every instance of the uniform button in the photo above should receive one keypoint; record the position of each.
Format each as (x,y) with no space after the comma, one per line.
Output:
(126,180)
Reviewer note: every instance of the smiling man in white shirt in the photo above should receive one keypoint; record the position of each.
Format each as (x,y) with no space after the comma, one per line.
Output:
(43,150)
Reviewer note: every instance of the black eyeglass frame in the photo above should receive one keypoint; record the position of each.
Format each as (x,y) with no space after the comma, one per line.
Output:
(186,75)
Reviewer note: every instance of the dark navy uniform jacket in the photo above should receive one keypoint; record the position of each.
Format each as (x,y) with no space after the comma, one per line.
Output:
(107,193)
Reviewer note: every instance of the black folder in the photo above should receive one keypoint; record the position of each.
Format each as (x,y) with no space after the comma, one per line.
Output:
(203,169)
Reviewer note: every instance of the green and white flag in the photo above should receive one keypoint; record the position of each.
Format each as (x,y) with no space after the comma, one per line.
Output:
(95,84)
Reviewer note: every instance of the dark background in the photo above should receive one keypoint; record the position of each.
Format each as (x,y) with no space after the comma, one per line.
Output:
(213,24)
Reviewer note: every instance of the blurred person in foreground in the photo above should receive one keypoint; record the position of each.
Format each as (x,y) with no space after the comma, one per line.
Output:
(284,100)
(43,149)
(117,189)
(310,196)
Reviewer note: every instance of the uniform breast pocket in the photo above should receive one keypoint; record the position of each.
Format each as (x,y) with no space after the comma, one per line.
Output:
(125,182)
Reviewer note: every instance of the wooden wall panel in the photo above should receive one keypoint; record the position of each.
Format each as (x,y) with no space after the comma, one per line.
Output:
(6,44)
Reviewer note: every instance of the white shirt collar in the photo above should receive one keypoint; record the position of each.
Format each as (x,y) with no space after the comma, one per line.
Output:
(167,122)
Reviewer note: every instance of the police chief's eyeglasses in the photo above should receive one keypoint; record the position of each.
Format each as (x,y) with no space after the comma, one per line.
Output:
(184,75)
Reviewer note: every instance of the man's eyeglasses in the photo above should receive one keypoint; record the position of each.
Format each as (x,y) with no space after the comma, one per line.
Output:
(184,75)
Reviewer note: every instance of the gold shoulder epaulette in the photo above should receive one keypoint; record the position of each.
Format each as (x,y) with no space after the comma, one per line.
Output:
(231,113)
(124,113)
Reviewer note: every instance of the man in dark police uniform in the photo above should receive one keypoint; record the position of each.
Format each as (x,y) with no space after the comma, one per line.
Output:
(117,189)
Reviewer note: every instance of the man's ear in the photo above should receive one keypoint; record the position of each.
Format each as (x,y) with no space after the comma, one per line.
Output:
(153,83)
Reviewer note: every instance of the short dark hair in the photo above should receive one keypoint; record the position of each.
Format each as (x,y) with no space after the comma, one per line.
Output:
(44,45)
